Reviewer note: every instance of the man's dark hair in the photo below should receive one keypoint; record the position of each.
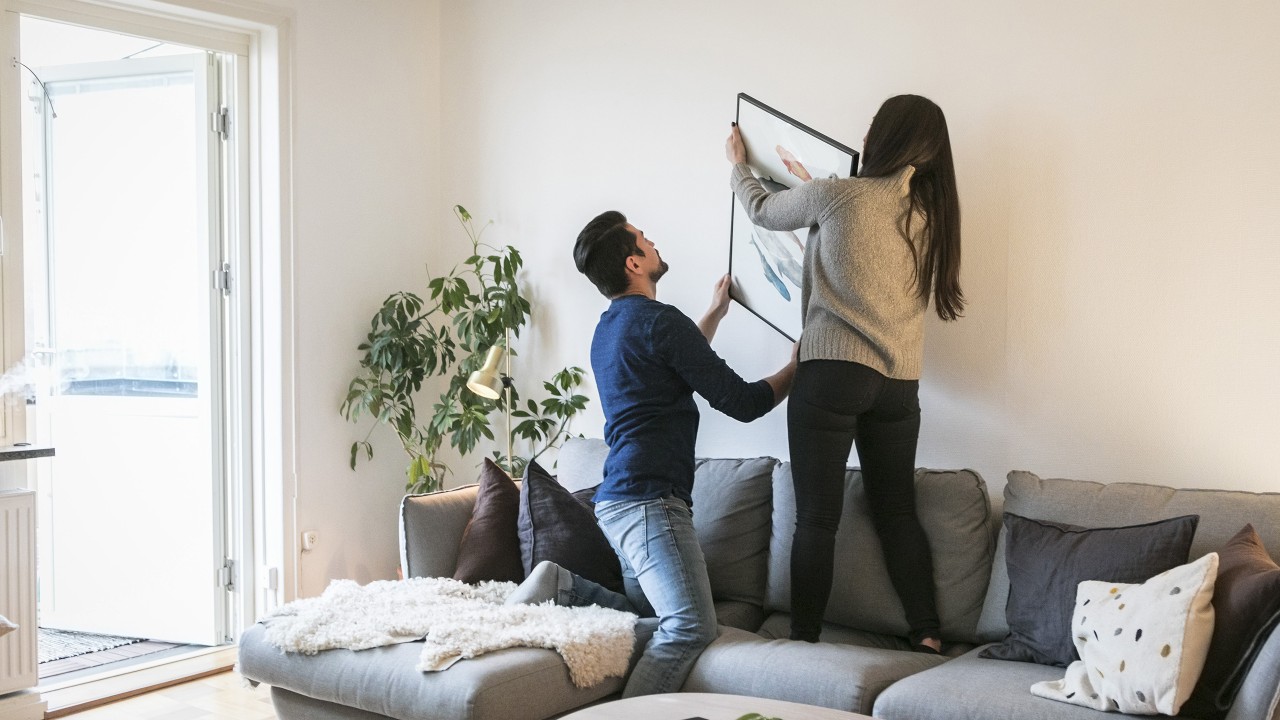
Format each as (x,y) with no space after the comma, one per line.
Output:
(602,250)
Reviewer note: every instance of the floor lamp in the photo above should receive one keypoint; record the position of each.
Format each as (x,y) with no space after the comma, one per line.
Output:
(487,382)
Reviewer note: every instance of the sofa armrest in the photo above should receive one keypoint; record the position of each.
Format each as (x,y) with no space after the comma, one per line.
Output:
(1259,696)
(431,528)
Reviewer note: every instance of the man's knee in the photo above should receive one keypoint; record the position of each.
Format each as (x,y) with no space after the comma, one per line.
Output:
(542,584)
(693,634)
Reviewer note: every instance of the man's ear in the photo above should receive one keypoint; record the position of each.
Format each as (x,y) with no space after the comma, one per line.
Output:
(633,264)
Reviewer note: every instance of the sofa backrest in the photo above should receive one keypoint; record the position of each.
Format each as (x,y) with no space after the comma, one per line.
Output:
(1094,505)
(955,512)
(431,528)
(732,513)
(733,516)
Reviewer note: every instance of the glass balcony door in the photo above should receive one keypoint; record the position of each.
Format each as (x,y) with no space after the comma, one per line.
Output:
(133,535)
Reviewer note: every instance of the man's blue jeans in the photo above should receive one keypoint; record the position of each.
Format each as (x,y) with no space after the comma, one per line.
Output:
(665,575)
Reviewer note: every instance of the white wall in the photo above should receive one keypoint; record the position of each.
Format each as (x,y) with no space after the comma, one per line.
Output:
(365,169)
(1118,167)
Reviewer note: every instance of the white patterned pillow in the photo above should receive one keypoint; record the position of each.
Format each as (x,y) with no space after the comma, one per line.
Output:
(1141,647)
(6,626)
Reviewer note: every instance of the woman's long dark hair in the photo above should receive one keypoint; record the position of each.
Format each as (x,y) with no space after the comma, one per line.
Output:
(911,130)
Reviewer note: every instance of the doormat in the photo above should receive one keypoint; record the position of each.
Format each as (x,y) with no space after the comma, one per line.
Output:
(60,644)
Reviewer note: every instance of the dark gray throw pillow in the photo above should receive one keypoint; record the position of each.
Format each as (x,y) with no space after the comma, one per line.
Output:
(1047,560)
(554,525)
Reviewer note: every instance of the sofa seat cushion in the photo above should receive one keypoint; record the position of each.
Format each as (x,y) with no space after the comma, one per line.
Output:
(778,627)
(292,706)
(974,688)
(744,616)
(505,685)
(843,677)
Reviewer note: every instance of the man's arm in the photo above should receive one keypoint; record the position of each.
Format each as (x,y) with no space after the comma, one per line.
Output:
(685,350)
(719,307)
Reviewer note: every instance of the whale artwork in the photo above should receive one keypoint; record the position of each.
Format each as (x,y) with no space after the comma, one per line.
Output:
(768,265)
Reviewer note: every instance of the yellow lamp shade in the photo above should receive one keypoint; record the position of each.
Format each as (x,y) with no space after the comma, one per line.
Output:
(487,381)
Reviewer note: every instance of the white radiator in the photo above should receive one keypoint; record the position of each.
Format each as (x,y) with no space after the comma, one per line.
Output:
(18,652)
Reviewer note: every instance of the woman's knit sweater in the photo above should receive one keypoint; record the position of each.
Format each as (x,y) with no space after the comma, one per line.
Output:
(859,302)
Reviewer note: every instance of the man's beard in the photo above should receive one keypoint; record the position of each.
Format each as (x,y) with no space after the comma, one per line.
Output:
(662,270)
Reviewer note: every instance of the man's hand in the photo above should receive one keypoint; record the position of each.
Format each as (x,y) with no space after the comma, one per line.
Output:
(781,381)
(719,307)
(734,150)
(720,297)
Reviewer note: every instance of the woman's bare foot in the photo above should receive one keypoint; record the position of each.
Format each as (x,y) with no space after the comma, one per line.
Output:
(932,643)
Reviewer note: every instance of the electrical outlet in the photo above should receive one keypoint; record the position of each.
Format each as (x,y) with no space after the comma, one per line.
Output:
(309,540)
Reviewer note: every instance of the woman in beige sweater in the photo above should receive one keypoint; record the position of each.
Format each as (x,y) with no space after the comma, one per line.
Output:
(881,245)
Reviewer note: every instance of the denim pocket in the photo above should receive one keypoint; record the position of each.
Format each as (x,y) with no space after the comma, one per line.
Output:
(609,510)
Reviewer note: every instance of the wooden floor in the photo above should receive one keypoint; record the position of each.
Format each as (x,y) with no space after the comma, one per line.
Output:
(225,696)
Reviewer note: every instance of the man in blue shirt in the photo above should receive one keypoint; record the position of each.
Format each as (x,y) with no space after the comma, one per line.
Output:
(648,359)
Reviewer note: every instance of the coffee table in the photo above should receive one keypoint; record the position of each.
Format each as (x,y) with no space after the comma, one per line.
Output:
(709,706)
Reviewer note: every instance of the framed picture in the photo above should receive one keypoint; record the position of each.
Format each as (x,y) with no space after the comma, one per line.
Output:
(768,265)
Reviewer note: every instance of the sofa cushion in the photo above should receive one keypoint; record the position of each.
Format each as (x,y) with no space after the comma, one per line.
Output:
(1142,646)
(513,684)
(955,512)
(1047,561)
(974,687)
(1092,504)
(733,613)
(732,513)
(732,516)
(844,677)
(490,546)
(580,464)
(1259,695)
(431,527)
(292,705)
(1246,604)
(556,526)
(778,627)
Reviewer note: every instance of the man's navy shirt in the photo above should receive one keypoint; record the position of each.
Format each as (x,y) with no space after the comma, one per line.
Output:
(648,359)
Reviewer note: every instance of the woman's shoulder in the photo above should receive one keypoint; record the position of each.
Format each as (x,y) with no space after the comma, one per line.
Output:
(850,188)
(897,183)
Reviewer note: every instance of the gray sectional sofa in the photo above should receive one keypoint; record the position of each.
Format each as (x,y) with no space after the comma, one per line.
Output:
(744,513)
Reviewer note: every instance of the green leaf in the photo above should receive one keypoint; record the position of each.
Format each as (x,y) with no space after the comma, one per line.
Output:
(469,308)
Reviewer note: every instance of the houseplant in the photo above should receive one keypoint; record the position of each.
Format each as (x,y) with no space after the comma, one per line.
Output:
(473,307)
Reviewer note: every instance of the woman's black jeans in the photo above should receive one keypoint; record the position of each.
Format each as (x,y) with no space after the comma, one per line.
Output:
(833,405)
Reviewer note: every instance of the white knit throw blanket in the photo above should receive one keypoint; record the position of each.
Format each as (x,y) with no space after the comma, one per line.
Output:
(458,621)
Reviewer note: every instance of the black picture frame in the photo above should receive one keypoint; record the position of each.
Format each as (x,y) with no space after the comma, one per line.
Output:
(768,285)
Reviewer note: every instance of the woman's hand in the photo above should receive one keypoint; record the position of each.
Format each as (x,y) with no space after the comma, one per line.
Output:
(794,166)
(734,150)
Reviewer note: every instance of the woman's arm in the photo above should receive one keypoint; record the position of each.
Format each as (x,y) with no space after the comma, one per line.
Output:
(784,210)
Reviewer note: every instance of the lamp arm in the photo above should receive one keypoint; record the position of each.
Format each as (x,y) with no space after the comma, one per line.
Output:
(506,387)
